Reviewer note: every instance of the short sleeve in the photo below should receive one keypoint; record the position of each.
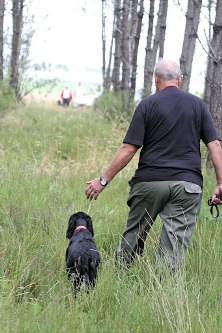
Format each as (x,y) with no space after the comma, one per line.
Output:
(136,131)
(208,130)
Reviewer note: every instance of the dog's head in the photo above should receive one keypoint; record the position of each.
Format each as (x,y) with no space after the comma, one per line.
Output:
(77,220)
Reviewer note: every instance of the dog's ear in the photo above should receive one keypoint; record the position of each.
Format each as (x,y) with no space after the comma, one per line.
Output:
(90,225)
(71,226)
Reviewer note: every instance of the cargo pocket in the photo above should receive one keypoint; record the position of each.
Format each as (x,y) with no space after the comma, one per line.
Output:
(192,188)
(195,194)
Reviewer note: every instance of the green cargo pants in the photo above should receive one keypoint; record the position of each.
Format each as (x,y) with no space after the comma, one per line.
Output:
(178,204)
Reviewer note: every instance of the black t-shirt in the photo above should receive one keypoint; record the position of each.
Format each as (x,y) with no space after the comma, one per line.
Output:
(169,126)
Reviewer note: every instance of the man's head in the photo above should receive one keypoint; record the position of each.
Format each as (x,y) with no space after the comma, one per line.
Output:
(167,73)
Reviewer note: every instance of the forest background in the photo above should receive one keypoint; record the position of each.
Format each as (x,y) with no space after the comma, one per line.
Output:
(133,35)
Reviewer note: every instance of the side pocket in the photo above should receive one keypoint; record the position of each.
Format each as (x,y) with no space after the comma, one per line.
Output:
(195,194)
(192,188)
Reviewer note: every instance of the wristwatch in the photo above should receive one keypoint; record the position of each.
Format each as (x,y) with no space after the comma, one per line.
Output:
(103,182)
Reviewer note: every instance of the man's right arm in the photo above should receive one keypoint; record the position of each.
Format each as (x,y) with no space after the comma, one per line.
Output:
(123,156)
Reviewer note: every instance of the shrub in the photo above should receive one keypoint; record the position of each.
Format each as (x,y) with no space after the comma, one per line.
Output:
(7,98)
(113,106)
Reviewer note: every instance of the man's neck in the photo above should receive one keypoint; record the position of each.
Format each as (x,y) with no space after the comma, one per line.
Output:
(162,85)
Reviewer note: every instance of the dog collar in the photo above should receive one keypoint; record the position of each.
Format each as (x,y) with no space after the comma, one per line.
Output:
(80,227)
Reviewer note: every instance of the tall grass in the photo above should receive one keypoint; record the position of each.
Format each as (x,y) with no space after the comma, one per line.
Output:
(46,157)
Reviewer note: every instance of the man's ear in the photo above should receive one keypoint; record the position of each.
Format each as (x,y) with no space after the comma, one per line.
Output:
(156,79)
(180,80)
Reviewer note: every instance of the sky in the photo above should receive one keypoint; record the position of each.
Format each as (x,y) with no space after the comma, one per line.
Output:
(70,34)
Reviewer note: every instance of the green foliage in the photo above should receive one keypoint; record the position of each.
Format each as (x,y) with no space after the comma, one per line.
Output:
(46,158)
(7,97)
(115,106)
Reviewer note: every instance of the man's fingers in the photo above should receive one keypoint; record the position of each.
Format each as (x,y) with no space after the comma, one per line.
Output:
(91,193)
(93,189)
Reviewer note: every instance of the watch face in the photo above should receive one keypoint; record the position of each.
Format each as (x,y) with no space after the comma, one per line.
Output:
(103,182)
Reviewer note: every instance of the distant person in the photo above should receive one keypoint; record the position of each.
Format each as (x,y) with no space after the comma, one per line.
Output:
(168,127)
(66,96)
(79,94)
(80,90)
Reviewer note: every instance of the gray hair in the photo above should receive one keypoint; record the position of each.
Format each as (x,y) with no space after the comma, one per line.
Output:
(167,70)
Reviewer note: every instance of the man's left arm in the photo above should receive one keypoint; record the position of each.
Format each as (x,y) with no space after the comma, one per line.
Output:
(215,151)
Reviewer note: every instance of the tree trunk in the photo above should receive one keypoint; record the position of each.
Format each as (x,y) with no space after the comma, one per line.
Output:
(118,41)
(128,25)
(135,49)
(108,80)
(189,41)
(148,51)
(133,25)
(163,19)
(213,80)
(2,13)
(17,22)
(125,46)
(158,39)
(160,29)
(104,44)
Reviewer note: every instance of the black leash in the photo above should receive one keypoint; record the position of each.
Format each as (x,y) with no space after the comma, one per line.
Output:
(213,207)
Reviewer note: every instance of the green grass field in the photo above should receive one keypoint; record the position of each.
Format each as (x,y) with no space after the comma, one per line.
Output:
(46,157)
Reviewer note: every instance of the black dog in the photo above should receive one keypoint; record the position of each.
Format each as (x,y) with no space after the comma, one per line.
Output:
(82,255)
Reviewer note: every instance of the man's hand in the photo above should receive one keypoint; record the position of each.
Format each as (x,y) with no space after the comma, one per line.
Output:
(217,195)
(93,189)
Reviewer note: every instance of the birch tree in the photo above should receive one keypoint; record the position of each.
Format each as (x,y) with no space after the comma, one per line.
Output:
(148,51)
(163,29)
(135,48)
(17,23)
(117,51)
(2,12)
(213,80)
(158,39)
(125,45)
(189,41)
(103,42)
